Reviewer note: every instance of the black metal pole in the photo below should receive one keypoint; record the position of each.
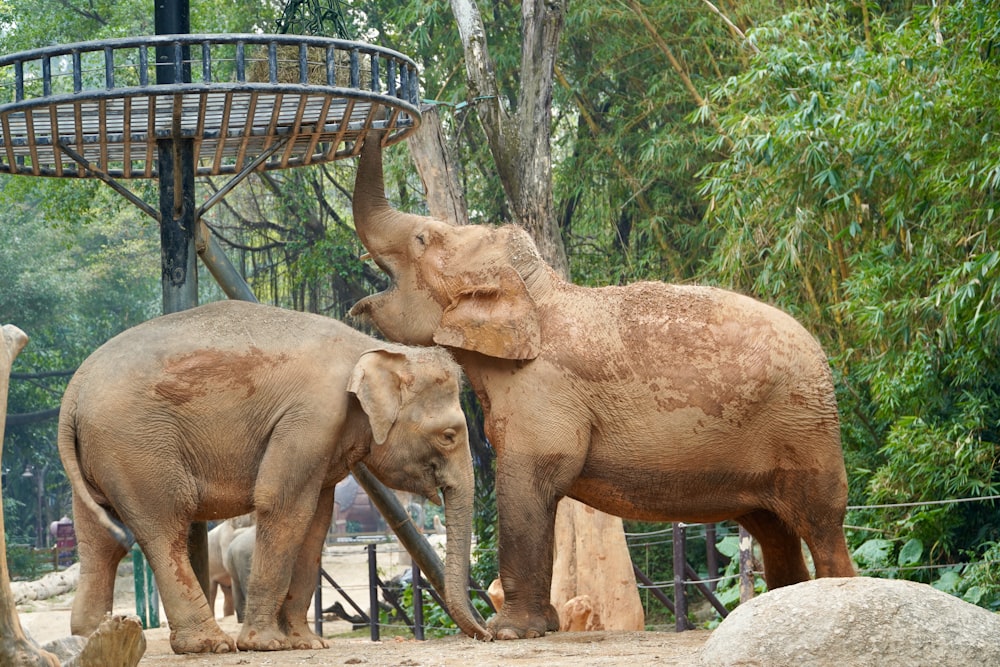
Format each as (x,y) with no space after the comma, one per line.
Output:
(178,253)
(418,604)
(318,604)
(373,592)
(711,555)
(680,601)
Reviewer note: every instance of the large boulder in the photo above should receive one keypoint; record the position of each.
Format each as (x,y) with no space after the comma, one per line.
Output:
(855,621)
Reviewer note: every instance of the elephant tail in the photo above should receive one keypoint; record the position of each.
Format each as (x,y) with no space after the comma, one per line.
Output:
(69,454)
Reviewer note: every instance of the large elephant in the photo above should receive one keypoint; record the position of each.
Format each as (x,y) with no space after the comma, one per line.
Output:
(231,407)
(650,401)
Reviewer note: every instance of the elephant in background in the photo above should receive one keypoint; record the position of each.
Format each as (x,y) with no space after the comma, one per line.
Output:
(234,407)
(649,401)
(238,561)
(219,579)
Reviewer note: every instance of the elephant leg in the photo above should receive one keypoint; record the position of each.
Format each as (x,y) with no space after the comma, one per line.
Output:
(304,578)
(239,598)
(822,528)
(285,499)
(829,551)
(781,548)
(193,628)
(213,590)
(525,548)
(99,554)
(227,600)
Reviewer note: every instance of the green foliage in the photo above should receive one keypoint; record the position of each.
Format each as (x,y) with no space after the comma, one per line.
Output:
(858,191)
(437,622)
(728,590)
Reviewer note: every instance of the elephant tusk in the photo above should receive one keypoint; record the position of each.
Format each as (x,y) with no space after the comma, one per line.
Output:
(365,257)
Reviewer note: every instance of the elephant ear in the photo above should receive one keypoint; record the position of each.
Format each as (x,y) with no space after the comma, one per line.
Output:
(498,320)
(377,381)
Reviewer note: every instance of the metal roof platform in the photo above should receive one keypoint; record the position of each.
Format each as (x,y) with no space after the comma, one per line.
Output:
(246,102)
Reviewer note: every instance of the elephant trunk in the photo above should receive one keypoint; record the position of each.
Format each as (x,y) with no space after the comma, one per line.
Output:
(373,217)
(458,516)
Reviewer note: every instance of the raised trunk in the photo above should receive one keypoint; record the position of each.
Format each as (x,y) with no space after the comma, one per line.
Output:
(373,217)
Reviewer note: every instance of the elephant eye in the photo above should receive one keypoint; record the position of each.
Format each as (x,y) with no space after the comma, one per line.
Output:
(450,436)
(421,239)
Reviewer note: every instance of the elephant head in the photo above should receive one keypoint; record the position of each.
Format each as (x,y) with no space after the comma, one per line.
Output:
(421,445)
(464,287)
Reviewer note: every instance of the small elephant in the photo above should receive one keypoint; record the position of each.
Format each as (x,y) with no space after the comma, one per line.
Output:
(238,561)
(234,407)
(219,579)
(649,401)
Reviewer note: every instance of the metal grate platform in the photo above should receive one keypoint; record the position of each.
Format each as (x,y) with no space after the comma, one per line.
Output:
(245,101)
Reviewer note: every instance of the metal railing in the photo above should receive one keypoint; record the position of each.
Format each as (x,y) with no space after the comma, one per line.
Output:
(293,99)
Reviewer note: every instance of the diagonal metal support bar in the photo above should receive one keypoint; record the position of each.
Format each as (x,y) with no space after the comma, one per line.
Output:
(215,260)
(115,185)
(211,253)
(238,178)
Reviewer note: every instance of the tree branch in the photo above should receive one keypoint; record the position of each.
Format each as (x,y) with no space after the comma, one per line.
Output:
(26,418)
(664,48)
(42,374)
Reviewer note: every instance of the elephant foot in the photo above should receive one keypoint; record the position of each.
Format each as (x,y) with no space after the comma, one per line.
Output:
(302,638)
(507,625)
(201,640)
(262,639)
(307,641)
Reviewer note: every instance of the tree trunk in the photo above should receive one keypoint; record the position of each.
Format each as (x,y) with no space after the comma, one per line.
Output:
(438,169)
(520,143)
(592,556)
(592,559)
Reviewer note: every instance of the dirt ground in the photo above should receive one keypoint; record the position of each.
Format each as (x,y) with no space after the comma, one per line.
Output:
(347,564)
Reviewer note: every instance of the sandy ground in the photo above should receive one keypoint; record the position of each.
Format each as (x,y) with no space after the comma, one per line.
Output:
(348,565)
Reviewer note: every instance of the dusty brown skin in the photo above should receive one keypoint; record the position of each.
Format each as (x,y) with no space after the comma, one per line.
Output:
(232,407)
(649,401)
(16,649)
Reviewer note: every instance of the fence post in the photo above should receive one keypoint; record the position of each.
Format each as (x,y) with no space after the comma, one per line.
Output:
(746,566)
(680,601)
(318,602)
(373,592)
(711,556)
(418,604)
(147,597)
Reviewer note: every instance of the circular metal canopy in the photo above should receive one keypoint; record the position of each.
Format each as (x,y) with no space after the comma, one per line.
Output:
(244,101)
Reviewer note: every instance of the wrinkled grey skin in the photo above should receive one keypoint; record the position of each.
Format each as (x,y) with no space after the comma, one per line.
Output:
(218,577)
(238,561)
(235,407)
(649,401)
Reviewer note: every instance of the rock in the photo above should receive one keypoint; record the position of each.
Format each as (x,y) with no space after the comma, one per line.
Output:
(855,621)
(495,591)
(579,615)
